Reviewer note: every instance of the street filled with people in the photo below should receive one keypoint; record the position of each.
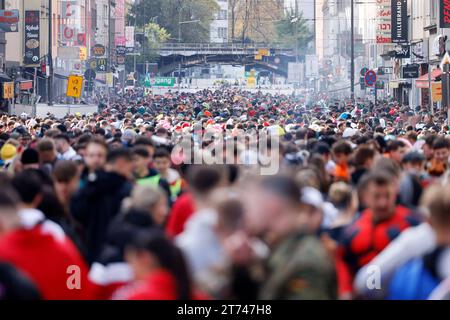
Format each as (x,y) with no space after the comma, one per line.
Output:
(226,194)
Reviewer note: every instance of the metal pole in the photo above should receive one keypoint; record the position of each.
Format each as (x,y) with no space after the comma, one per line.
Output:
(33,112)
(109,37)
(352,36)
(430,92)
(49,56)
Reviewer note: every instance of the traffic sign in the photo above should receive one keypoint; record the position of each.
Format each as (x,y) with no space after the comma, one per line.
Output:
(8,90)
(370,78)
(90,74)
(74,86)
(364,71)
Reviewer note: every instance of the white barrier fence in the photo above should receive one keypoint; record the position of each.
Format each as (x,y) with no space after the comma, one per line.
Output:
(58,110)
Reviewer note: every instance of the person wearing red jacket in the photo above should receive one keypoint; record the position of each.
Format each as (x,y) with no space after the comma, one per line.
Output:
(159,269)
(39,247)
(182,210)
(377,226)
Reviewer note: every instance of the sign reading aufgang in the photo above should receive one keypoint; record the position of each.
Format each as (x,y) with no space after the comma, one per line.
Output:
(444,12)
(31,38)
(399,21)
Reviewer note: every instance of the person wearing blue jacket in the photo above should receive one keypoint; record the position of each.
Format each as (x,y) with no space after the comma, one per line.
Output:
(419,277)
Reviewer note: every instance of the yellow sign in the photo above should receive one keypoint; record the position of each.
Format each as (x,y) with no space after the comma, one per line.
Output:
(74,86)
(263,52)
(258,57)
(8,90)
(83,53)
(436,91)
(251,82)
(109,79)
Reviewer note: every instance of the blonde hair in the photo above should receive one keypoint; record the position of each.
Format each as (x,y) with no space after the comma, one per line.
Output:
(143,198)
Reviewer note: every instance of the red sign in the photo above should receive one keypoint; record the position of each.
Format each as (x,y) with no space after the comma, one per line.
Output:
(26,85)
(370,78)
(81,39)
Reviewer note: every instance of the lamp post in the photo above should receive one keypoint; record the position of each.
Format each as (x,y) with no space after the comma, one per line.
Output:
(49,55)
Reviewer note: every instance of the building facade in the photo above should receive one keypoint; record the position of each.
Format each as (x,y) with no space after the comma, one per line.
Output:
(219,26)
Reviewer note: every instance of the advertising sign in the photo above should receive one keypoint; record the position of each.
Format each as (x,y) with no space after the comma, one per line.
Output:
(399,21)
(383,21)
(31,37)
(9,20)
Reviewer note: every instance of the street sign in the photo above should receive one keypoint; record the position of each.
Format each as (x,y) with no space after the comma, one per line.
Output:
(8,90)
(164,82)
(379,85)
(363,71)
(370,78)
(410,71)
(92,64)
(90,74)
(74,86)
(147,81)
(98,50)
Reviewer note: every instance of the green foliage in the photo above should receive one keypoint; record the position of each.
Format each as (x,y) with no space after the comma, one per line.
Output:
(168,14)
(293,31)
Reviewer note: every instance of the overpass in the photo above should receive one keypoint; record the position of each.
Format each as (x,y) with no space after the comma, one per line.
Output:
(174,55)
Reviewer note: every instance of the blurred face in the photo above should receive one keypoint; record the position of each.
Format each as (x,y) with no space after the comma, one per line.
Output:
(381,200)
(95,157)
(140,163)
(159,211)
(162,164)
(47,156)
(124,167)
(398,154)
(142,262)
(61,145)
(427,151)
(65,190)
(441,154)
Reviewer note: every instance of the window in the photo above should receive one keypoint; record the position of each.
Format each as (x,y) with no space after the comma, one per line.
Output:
(222,15)
(434,9)
(222,33)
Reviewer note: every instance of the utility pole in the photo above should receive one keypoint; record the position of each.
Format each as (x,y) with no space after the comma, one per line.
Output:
(352,58)
(109,36)
(49,55)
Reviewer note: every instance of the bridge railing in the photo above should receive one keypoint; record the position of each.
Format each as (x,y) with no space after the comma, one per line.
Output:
(220,46)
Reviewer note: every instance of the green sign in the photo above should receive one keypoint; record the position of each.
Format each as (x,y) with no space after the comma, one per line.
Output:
(147,82)
(163,82)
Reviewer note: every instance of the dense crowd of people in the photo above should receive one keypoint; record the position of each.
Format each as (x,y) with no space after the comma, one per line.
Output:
(108,206)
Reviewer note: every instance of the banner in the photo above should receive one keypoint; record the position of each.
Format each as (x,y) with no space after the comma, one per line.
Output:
(383,21)
(69,23)
(129,37)
(9,20)
(399,21)
(444,13)
(436,91)
(31,37)
(119,15)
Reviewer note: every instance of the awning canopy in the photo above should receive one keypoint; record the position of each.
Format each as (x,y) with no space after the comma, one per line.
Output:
(423,83)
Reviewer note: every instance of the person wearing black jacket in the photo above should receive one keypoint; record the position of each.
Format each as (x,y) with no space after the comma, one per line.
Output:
(96,204)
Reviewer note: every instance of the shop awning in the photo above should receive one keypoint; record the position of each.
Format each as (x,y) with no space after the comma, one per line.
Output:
(422,81)
(4,78)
